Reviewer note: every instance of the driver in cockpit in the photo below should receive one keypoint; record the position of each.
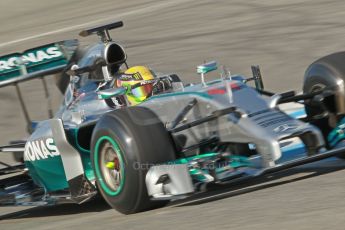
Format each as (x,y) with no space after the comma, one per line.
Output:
(139,82)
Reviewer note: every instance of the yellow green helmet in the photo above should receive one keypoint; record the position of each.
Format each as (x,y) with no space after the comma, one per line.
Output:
(138,81)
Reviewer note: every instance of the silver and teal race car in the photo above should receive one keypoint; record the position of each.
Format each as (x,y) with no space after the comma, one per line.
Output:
(172,143)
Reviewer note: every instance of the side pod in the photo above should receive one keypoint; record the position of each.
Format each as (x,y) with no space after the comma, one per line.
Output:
(81,189)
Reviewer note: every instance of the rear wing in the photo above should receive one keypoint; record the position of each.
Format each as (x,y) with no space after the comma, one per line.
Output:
(36,63)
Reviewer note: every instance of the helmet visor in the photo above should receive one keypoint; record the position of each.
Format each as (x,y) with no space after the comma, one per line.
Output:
(142,90)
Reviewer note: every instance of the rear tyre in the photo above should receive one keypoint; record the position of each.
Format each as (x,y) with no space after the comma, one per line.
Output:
(125,143)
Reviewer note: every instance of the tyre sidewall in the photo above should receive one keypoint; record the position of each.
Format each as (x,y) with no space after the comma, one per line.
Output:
(132,183)
(142,145)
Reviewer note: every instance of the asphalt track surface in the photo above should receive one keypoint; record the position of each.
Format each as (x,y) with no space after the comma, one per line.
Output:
(282,36)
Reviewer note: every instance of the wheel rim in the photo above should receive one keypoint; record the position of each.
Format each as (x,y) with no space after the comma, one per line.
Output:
(316,112)
(109,165)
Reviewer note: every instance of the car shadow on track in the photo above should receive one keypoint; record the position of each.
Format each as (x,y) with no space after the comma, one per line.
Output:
(214,192)
(218,192)
(96,205)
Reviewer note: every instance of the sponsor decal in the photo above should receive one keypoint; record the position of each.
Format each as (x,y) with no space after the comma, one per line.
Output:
(126,77)
(29,58)
(40,149)
(285,127)
(118,101)
(145,82)
(234,87)
(130,77)
(216,91)
(137,76)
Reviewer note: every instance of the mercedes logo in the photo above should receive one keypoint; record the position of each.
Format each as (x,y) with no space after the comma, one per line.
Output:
(285,127)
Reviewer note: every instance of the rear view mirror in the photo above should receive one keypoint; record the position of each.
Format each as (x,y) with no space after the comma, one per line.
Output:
(207,67)
(112,92)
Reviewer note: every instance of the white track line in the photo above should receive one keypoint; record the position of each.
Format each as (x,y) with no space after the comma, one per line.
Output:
(143,10)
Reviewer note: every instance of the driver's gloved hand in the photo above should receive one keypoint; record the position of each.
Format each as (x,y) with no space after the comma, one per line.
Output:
(162,85)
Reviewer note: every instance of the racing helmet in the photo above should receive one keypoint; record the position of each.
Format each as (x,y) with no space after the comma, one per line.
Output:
(139,82)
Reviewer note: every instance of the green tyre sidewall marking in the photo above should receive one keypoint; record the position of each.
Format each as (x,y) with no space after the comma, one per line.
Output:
(99,176)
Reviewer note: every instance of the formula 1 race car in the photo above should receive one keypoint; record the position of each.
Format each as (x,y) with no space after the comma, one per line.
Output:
(170,144)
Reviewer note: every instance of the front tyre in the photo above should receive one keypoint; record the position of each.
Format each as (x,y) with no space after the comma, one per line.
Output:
(326,74)
(125,143)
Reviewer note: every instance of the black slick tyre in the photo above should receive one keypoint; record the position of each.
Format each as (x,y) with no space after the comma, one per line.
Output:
(125,143)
